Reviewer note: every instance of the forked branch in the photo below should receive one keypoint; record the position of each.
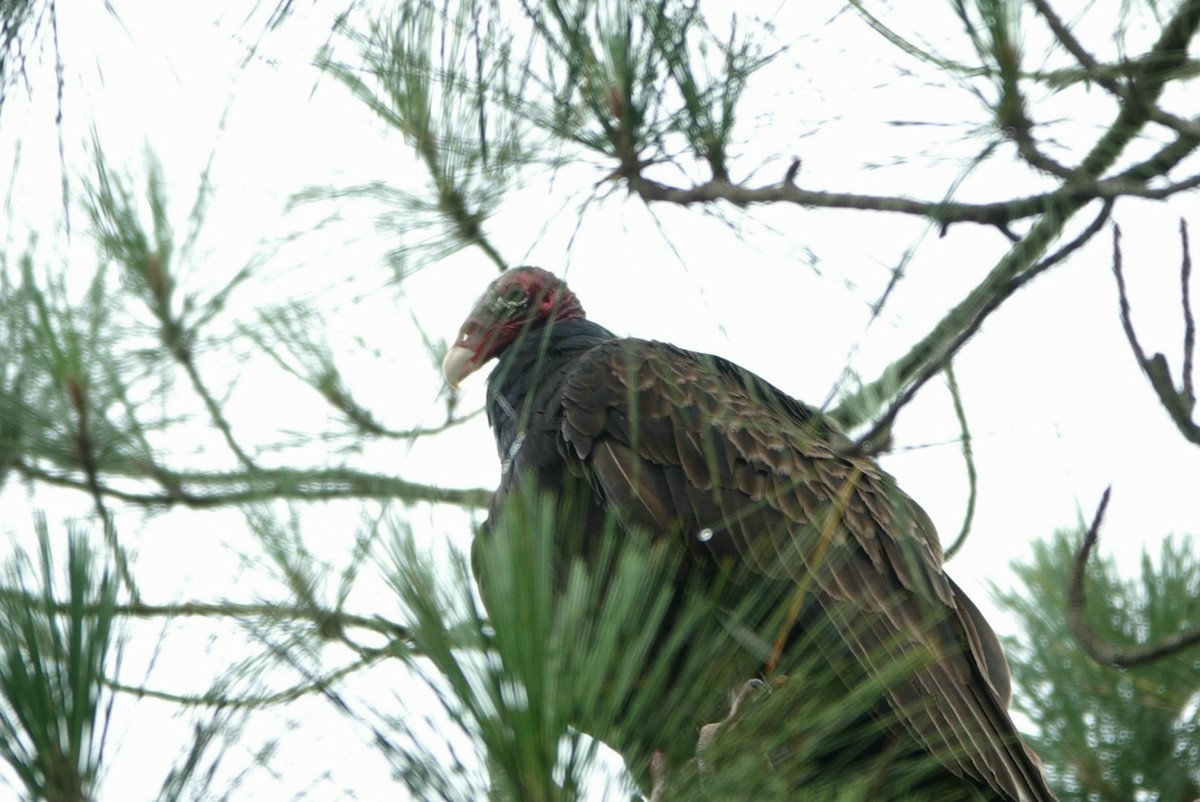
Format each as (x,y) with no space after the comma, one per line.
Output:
(1180,402)
(1100,651)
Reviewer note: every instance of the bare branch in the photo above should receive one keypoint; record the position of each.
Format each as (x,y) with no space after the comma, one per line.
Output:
(1077,192)
(968,457)
(365,422)
(945,213)
(1121,186)
(1189,322)
(1179,404)
(1101,652)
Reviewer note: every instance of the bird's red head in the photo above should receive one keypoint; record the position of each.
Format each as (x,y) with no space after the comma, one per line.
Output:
(521,299)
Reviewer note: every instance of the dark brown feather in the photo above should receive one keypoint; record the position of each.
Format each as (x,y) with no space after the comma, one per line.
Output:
(679,443)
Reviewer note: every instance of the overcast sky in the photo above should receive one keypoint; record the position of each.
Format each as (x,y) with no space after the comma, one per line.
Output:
(1057,406)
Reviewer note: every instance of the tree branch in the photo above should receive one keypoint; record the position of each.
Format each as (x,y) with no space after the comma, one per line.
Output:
(1189,322)
(1064,36)
(923,362)
(1146,85)
(228,489)
(968,457)
(1101,652)
(78,395)
(1014,269)
(278,612)
(214,699)
(998,214)
(1103,76)
(1179,403)
(365,422)
(1076,193)
(184,357)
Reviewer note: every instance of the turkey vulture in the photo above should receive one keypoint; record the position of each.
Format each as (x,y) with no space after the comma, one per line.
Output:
(756,492)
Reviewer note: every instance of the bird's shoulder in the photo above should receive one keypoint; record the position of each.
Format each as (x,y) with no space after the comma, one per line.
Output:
(624,386)
(743,442)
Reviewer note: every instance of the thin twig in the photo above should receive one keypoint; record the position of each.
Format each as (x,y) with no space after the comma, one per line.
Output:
(184,356)
(1013,269)
(177,339)
(1064,36)
(276,612)
(1101,652)
(78,395)
(1131,183)
(867,443)
(1178,404)
(1062,253)
(1189,322)
(968,457)
(317,485)
(1103,76)
(945,213)
(214,699)
(366,423)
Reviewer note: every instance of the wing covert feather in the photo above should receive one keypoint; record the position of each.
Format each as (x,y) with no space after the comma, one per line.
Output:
(690,446)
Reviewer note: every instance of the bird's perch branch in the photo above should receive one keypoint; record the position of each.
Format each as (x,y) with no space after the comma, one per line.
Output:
(1106,653)
(1179,402)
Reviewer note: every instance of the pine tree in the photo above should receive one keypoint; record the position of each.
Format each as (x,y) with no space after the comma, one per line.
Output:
(1110,733)
(160,385)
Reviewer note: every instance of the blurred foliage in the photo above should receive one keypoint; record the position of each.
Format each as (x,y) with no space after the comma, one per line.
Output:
(569,650)
(1109,735)
(21,24)
(54,659)
(121,380)
(482,93)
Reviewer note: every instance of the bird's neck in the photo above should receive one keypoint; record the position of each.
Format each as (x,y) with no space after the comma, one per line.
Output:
(528,373)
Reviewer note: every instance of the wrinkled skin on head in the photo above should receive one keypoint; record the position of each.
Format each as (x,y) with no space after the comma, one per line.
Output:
(519,300)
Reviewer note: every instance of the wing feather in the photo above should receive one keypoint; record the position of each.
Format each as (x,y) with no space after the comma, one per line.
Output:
(681,444)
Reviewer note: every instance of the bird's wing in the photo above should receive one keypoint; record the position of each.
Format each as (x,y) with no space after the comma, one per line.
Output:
(691,445)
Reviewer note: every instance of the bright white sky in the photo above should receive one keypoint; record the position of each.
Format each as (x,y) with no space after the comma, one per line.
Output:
(1057,406)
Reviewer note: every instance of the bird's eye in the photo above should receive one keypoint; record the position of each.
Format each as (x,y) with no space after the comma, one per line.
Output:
(514,294)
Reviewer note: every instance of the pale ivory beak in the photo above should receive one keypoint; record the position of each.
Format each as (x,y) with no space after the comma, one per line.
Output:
(458,365)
